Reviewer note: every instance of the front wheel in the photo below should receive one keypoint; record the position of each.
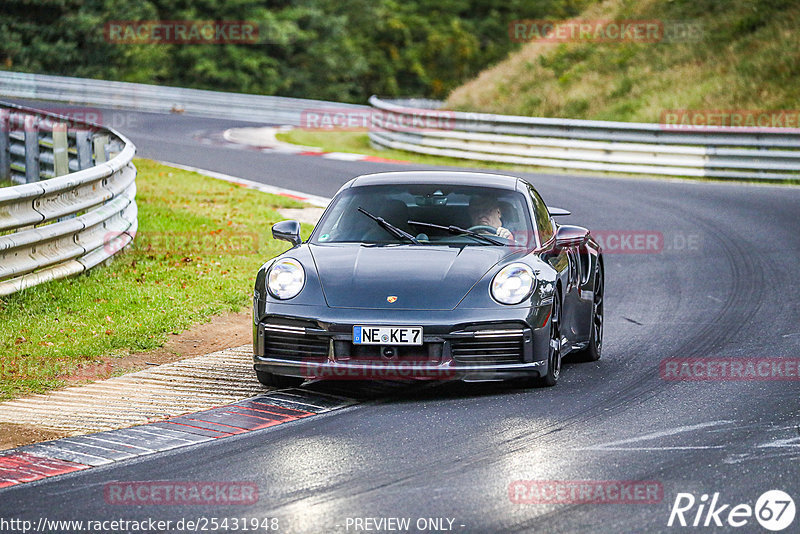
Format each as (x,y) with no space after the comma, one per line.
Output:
(593,351)
(278,381)
(554,356)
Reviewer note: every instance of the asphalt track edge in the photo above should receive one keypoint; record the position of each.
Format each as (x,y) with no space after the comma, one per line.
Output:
(41,461)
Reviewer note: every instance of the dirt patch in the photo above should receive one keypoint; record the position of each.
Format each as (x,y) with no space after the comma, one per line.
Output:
(12,435)
(221,332)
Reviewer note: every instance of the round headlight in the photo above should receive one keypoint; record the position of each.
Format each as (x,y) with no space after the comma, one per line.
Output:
(286,279)
(513,284)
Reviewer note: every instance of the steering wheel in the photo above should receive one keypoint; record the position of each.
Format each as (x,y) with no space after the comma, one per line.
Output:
(486,227)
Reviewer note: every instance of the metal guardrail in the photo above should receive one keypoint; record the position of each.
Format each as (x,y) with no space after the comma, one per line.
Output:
(766,153)
(76,206)
(161,99)
(639,148)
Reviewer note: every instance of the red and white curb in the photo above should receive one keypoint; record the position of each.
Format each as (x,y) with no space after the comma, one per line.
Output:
(57,457)
(264,138)
(350,156)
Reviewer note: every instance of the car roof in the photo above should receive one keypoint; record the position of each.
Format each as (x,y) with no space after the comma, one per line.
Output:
(501,181)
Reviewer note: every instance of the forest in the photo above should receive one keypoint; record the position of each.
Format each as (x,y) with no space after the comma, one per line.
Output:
(343,50)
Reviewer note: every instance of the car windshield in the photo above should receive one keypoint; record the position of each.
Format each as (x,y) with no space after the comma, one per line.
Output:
(425,214)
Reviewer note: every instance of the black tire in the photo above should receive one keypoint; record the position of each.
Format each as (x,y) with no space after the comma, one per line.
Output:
(554,356)
(594,350)
(278,381)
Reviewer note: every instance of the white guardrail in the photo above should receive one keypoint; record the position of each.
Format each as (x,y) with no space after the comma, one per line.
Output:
(75,207)
(763,153)
(160,99)
(639,148)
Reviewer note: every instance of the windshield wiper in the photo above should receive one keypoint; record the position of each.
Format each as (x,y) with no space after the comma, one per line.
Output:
(458,230)
(389,227)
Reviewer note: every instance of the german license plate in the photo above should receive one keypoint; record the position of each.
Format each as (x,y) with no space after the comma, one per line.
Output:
(387,335)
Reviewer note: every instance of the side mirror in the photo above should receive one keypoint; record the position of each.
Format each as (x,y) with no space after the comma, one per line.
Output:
(557,212)
(571,236)
(287,231)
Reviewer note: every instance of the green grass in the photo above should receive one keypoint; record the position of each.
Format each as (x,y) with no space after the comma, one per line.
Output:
(199,246)
(742,57)
(358,143)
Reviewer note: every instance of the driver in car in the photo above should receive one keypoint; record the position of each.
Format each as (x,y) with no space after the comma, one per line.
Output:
(485,211)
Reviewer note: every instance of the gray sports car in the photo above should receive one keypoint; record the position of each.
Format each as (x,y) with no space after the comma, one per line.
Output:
(429,275)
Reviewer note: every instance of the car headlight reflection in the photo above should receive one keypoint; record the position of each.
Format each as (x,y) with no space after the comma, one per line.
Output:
(286,279)
(513,284)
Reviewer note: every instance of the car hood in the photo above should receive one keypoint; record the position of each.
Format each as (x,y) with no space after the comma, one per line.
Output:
(421,277)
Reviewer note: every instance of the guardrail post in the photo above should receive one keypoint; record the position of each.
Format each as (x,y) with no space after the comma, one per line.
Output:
(60,147)
(83,142)
(31,148)
(61,154)
(5,145)
(100,142)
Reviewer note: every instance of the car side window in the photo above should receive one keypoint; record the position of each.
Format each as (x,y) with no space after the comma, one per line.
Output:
(543,223)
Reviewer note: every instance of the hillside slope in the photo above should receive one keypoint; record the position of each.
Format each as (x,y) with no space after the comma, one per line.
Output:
(747,57)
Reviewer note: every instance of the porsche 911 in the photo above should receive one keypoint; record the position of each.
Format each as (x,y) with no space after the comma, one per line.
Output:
(430,275)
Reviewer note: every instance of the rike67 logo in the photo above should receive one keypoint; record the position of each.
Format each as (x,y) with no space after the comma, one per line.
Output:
(774,510)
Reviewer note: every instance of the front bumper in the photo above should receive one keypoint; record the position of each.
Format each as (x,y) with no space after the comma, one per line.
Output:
(389,371)
(471,345)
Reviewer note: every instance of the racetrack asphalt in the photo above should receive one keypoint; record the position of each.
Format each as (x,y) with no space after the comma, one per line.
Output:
(723,285)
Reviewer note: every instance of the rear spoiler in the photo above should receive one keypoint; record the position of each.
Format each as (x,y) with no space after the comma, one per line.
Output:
(556,212)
